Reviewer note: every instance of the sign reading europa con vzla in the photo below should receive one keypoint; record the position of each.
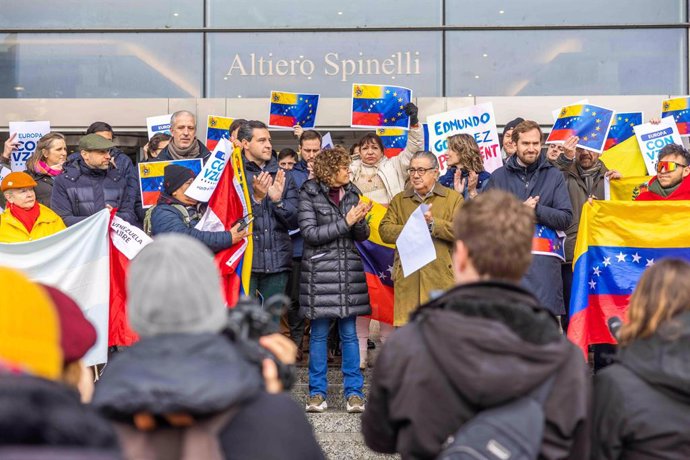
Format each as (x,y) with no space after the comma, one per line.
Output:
(400,63)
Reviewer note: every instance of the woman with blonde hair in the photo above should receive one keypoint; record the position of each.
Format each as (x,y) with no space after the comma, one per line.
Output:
(46,163)
(465,172)
(642,402)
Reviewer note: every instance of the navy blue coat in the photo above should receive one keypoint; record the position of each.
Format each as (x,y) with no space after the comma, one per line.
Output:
(300,174)
(541,179)
(272,244)
(166,218)
(80,192)
(204,153)
(448,180)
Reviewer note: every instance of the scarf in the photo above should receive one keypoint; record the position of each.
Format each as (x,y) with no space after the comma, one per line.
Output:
(589,176)
(336,194)
(27,217)
(177,153)
(656,187)
(43,168)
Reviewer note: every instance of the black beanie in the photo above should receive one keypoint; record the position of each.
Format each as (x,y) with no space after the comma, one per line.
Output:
(512,124)
(174,177)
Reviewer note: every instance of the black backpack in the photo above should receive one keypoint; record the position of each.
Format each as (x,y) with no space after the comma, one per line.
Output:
(512,431)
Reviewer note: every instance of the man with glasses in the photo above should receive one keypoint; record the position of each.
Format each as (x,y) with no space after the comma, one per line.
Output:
(415,289)
(670,182)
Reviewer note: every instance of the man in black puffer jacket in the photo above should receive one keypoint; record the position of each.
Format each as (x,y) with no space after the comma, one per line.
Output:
(177,213)
(91,183)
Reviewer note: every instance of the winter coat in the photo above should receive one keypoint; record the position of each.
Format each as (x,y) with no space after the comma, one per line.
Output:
(272,244)
(202,375)
(332,280)
(13,231)
(448,180)
(80,192)
(495,344)
(44,186)
(393,171)
(204,153)
(577,190)
(415,289)
(681,193)
(642,402)
(167,218)
(300,174)
(554,210)
(41,414)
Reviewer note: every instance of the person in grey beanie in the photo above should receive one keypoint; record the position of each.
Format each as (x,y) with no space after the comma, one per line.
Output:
(184,378)
(509,148)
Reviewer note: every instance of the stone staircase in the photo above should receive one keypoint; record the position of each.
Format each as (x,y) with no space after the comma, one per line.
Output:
(338,432)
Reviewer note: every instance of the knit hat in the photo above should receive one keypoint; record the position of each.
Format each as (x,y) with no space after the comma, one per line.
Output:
(77,333)
(173,286)
(512,124)
(29,326)
(16,180)
(174,176)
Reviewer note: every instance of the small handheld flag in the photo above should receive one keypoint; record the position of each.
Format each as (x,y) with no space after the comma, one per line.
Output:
(622,128)
(589,122)
(394,140)
(151,178)
(678,108)
(377,106)
(290,109)
(217,128)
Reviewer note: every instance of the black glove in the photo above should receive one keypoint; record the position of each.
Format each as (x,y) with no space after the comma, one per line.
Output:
(411,110)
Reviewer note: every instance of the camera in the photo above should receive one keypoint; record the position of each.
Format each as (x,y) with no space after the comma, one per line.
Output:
(248,321)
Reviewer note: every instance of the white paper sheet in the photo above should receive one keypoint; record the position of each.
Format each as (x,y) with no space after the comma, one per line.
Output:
(415,247)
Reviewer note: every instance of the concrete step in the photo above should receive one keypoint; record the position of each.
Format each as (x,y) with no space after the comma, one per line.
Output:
(348,446)
(335,421)
(335,396)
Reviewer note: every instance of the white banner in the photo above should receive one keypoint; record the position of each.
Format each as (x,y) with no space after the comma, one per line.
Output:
(158,124)
(127,238)
(206,182)
(652,138)
(77,261)
(477,121)
(28,134)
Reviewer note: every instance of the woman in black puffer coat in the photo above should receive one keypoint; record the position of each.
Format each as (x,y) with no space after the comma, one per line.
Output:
(333,284)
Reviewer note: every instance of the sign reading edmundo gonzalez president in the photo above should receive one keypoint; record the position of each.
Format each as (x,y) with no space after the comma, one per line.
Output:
(477,121)
(652,138)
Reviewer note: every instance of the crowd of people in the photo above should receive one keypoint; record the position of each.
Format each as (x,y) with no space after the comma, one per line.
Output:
(479,327)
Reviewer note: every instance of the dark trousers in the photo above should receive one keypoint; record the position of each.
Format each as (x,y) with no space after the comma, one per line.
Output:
(294,321)
(567,276)
(267,284)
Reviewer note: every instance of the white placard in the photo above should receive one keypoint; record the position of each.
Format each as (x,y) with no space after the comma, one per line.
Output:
(652,138)
(327,141)
(127,238)
(414,245)
(206,182)
(478,121)
(158,124)
(28,134)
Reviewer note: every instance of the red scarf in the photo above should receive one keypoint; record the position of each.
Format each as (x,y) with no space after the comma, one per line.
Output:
(26,217)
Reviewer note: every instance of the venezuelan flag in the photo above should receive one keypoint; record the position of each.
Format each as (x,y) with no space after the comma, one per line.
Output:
(290,109)
(626,158)
(394,140)
(616,241)
(151,178)
(622,128)
(589,122)
(626,188)
(377,257)
(377,106)
(678,109)
(548,242)
(244,267)
(217,128)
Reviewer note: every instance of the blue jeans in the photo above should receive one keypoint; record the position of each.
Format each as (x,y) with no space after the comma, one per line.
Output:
(318,357)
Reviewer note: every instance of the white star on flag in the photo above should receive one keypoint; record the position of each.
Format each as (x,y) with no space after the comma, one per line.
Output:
(650,262)
(597,271)
(607,261)
(592,284)
(620,257)
(636,258)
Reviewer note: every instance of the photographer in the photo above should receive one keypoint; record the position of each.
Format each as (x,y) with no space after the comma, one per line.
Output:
(185,387)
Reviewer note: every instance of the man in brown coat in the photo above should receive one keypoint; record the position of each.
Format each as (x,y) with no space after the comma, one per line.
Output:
(443,202)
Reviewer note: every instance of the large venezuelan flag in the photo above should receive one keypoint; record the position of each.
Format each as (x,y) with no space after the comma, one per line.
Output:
(679,109)
(626,188)
(151,178)
(589,122)
(217,128)
(394,140)
(377,257)
(290,109)
(616,241)
(377,106)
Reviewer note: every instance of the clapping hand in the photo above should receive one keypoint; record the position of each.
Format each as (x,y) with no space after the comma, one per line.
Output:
(357,213)
(275,191)
(532,201)
(260,185)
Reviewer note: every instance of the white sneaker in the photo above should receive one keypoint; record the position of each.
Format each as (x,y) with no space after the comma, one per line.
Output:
(355,404)
(316,403)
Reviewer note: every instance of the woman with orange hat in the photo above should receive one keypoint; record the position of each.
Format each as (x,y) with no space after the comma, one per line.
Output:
(25,219)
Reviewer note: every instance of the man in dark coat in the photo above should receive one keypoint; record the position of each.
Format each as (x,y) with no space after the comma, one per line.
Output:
(184,144)
(178,213)
(482,344)
(531,178)
(274,202)
(92,182)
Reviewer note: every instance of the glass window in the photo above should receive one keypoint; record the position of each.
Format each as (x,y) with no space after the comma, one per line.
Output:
(101,65)
(66,14)
(253,64)
(566,62)
(561,12)
(319,13)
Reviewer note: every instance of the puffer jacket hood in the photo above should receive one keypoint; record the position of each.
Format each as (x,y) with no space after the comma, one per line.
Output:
(663,363)
(196,374)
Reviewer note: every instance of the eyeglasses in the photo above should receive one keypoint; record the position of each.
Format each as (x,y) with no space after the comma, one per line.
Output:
(668,166)
(420,171)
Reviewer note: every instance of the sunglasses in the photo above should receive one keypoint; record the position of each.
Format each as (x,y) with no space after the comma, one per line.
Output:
(668,166)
